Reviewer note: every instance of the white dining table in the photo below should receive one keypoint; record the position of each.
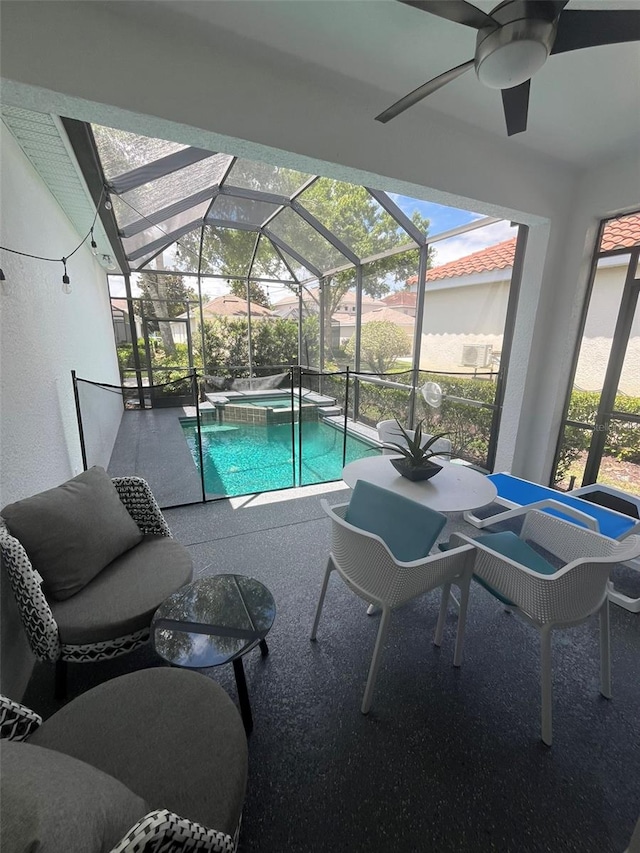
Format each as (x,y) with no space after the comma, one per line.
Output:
(457,488)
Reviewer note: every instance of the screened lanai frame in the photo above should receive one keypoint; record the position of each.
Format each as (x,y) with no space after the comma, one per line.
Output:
(166,191)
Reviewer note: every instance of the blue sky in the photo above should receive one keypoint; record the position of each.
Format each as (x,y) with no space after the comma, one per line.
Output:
(442,218)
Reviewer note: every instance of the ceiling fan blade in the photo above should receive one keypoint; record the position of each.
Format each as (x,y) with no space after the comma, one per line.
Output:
(578,28)
(516,106)
(455,10)
(546,10)
(422,92)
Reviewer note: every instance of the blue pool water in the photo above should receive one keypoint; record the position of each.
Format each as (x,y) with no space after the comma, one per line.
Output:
(240,459)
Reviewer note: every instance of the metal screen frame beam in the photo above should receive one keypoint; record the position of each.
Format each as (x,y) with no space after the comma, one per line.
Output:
(295,255)
(157,169)
(254,195)
(507,341)
(232,226)
(398,215)
(278,250)
(329,236)
(162,242)
(167,212)
(463,229)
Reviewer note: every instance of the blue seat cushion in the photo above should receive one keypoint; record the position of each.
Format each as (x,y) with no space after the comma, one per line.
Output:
(512,547)
(407,528)
(523,492)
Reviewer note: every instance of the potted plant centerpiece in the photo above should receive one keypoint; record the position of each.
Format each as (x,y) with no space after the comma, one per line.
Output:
(417,458)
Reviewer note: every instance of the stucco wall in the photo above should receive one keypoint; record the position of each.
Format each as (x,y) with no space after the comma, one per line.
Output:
(461,313)
(44,334)
(598,332)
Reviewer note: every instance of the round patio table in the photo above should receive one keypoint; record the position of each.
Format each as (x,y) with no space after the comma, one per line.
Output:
(456,488)
(213,621)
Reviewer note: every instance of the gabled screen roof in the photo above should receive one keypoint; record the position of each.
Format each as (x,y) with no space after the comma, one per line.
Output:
(164,193)
(173,203)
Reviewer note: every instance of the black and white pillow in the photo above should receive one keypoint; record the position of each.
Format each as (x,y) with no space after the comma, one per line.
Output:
(165,832)
(17,721)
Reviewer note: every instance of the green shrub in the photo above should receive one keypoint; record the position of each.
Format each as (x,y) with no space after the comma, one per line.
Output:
(622,437)
(125,356)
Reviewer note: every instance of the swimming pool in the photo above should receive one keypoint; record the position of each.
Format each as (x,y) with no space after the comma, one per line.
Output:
(243,458)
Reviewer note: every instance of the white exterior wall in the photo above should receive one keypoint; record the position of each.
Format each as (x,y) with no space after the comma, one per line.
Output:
(458,312)
(469,310)
(598,332)
(44,335)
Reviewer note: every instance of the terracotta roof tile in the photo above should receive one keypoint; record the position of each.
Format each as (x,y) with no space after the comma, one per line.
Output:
(402,299)
(231,305)
(623,232)
(497,257)
(388,315)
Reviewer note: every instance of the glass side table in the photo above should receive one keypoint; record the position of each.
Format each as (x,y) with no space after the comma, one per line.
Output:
(213,621)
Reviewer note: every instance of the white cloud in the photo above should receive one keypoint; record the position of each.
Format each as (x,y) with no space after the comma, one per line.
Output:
(472,241)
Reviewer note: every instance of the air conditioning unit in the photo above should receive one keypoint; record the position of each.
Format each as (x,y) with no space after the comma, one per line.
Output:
(477,355)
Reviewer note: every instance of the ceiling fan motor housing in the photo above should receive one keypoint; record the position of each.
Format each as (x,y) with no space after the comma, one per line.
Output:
(511,53)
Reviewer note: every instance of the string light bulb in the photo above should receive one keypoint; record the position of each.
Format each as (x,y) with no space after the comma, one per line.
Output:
(94,246)
(66,283)
(2,275)
(107,201)
(107,262)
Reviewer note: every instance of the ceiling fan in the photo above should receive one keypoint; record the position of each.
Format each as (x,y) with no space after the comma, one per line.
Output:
(514,41)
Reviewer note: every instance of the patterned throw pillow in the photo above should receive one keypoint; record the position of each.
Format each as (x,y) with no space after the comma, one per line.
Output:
(17,721)
(165,832)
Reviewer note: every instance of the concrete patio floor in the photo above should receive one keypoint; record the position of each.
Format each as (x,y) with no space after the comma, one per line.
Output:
(448,759)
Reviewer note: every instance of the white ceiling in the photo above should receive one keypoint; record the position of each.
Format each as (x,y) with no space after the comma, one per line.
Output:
(584,107)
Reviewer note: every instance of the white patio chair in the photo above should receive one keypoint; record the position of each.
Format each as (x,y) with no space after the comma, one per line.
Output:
(388,433)
(367,566)
(560,598)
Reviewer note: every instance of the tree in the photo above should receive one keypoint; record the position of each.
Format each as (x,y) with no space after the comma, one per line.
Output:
(163,296)
(381,344)
(349,211)
(274,342)
(256,293)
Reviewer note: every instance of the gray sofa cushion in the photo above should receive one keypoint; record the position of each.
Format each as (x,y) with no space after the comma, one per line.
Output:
(125,595)
(171,735)
(52,802)
(72,532)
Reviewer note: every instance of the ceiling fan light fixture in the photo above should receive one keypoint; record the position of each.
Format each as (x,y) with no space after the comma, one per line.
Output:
(514,53)
(512,64)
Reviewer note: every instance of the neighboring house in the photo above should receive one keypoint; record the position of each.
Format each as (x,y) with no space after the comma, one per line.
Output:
(466,304)
(403,301)
(227,305)
(121,322)
(311,300)
(348,322)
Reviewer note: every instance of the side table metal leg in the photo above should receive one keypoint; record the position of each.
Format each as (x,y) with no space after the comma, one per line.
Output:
(264,648)
(243,695)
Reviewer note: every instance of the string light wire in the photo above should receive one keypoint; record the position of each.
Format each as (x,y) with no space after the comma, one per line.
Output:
(65,258)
